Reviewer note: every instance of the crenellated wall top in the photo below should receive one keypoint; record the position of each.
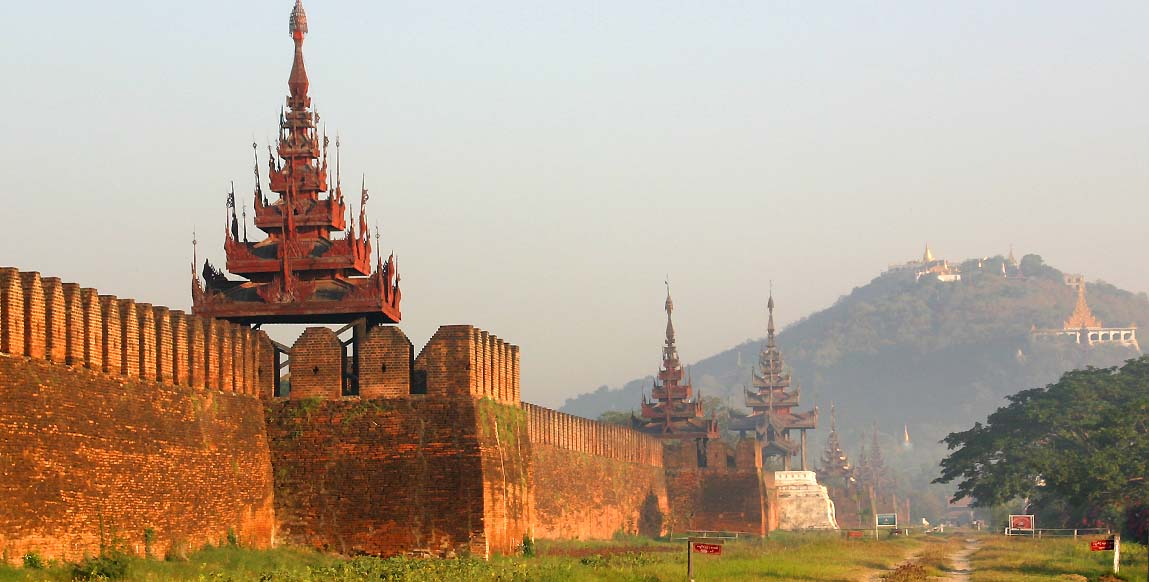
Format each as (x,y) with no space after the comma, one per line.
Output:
(43,318)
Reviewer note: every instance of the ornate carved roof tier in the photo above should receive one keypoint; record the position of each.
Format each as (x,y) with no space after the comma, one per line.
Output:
(315,265)
(674,411)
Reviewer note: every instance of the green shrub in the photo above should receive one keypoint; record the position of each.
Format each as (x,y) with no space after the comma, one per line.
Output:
(528,546)
(149,539)
(110,566)
(33,561)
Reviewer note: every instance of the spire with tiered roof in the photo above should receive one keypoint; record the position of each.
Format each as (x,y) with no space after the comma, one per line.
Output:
(835,464)
(673,411)
(773,401)
(315,264)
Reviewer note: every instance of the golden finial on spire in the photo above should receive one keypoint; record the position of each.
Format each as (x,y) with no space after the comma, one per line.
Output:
(928,256)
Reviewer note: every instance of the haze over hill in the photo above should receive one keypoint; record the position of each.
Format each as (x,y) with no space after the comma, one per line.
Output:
(930,355)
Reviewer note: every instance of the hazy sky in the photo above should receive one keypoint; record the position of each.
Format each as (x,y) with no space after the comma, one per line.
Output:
(540,167)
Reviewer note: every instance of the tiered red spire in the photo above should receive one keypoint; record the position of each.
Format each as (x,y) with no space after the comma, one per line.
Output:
(773,401)
(300,273)
(673,412)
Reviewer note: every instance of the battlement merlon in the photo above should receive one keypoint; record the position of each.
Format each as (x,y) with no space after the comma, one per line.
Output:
(464,360)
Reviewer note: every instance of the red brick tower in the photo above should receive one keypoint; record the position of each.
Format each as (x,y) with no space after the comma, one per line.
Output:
(301,272)
(674,413)
(772,401)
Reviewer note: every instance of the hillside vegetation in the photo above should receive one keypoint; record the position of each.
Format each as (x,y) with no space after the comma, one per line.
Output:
(925,354)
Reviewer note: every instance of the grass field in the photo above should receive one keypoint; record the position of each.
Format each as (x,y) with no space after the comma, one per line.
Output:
(790,557)
(1019,559)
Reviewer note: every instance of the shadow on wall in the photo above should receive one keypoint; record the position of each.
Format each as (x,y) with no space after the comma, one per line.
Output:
(650,517)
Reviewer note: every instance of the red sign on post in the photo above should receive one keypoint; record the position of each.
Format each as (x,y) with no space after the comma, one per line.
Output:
(1101,545)
(1021,522)
(702,548)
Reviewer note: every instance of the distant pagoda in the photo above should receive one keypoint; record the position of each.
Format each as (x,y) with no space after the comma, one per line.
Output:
(772,402)
(301,272)
(835,464)
(674,412)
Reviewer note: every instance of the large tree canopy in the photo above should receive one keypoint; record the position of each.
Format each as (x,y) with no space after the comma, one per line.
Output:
(1083,441)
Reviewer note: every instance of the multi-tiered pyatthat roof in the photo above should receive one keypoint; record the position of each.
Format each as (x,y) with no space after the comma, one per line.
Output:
(835,463)
(673,412)
(315,266)
(773,401)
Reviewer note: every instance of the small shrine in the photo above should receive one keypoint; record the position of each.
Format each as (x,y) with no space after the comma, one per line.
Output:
(673,412)
(772,402)
(315,264)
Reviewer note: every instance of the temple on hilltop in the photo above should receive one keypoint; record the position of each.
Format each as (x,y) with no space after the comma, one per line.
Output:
(1084,328)
(315,264)
(1010,267)
(773,402)
(673,411)
(940,269)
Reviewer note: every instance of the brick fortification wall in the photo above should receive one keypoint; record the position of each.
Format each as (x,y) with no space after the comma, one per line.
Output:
(138,417)
(592,480)
(126,417)
(727,494)
(432,455)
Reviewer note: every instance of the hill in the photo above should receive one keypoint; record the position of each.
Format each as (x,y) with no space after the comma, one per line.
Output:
(929,355)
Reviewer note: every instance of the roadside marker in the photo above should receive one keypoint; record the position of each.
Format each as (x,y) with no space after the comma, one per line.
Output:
(710,546)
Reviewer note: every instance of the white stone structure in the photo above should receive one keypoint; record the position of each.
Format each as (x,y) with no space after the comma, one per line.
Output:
(798,502)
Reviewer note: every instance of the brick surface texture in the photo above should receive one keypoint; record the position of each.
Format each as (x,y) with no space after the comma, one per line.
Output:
(316,369)
(592,480)
(725,495)
(386,476)
(78,447)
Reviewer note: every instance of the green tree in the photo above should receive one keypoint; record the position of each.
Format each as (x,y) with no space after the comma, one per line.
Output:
(1080,445)
(619,417)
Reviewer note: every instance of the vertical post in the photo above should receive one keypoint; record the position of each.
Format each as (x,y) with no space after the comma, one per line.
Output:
(803,449)
(689,561)
(874,510)
(1116,553)
(357,339)
(276,390)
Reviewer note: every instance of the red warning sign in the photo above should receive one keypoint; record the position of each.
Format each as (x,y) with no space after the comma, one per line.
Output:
(703,548)
(1101,545)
